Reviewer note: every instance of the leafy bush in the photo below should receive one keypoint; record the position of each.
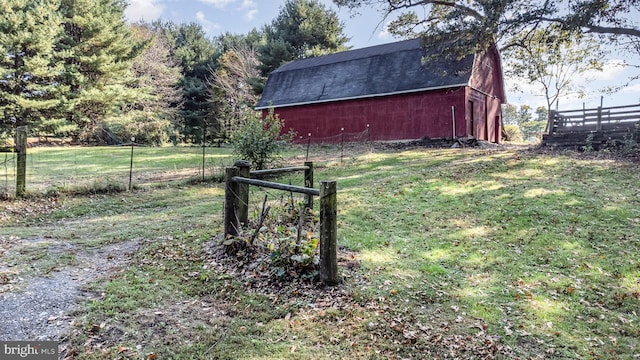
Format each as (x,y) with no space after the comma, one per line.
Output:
(588,143)
(147,130)
(513,132)
(260,141)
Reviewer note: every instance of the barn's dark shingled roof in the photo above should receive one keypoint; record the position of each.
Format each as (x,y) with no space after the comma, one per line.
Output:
(373,71)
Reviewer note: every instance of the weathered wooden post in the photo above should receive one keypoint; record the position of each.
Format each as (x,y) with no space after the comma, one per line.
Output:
(308,182)
(244,170)
(599,123)
(21,153)
(231,220)
(328,233)
(341,144)
(133,142)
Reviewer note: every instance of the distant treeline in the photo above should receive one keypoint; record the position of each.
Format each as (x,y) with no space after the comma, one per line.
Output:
(76,68)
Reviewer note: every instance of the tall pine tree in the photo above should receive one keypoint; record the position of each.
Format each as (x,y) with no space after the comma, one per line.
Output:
(31,92)
(303,28)
(197,56)
(98,71)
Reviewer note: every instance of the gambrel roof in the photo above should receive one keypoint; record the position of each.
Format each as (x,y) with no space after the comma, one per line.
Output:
(380,70)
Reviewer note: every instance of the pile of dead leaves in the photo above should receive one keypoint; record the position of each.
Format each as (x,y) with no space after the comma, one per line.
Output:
(28,209)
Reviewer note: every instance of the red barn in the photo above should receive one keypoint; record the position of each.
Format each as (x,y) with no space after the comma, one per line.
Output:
(393,88)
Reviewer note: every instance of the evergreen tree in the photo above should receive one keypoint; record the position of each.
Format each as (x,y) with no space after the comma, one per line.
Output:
(227,41)
(197,55)
(98,72)
(30,71)
(303,28)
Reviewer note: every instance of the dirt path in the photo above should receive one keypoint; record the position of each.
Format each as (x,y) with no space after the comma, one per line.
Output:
(40,309)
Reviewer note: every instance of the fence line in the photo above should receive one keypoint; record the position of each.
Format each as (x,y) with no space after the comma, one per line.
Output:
(596,119)
(78,168)
(343,138)
(596,127)
(83,169)
(359,136)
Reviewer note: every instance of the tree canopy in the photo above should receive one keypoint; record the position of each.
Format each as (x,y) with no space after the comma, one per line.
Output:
(477,24)
(197,55)
(98,69)
(553,60)
(303,28)
(77,68)
(31,83)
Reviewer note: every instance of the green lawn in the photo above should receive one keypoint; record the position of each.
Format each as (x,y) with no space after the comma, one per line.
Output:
(77,168)
(466,253)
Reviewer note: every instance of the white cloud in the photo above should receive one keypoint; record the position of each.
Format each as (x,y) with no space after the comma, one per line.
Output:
(248,8)
(251,14)
(611,70)
(143,10)
(208,25)
(251,9)
(247,4)
(220,4)
(632,89)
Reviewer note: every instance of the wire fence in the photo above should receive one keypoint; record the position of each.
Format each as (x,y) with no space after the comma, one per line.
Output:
(8,172)
(83,169)
(285,206)
(342,144)
(86,168)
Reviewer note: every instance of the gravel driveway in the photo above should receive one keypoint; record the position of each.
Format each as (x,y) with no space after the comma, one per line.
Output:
(40,308)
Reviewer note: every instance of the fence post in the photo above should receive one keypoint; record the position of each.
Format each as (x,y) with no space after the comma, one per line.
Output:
(599,124)
(21,150)
(203,160)
(231,221)
(133,140)
(242,205)
(328,233)
(308,182)
(341,144)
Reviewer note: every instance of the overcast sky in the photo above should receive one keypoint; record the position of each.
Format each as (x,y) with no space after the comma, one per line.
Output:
(364,29)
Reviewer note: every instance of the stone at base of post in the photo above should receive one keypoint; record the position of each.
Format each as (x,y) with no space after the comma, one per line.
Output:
(328,233)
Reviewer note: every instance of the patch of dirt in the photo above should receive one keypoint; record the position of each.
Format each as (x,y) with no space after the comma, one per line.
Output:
(37,308)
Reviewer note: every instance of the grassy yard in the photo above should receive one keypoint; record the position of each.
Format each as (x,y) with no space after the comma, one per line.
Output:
(467,253)
(78,169)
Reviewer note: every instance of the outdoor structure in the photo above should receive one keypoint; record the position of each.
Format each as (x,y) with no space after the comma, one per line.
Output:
(595,127)
(395,89)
